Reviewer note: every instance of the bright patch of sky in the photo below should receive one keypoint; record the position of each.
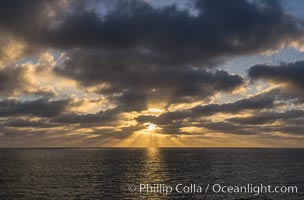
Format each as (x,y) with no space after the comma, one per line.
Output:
(241,64)
(294,7)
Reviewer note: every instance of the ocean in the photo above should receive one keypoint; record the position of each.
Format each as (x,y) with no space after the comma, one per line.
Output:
(151,173)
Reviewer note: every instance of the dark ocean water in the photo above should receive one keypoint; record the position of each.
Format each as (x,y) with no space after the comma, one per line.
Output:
(106,173)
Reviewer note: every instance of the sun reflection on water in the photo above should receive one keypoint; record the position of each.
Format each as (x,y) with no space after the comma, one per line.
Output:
(154,170)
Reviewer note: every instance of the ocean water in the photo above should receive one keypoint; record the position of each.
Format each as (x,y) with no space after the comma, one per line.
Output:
(110,173)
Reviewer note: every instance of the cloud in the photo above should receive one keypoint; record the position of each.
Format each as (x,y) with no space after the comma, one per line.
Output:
(14,80)
(228,128)
(269,117)
(21,79)
(175,36)
(292,124)
(26,123)
(290,74)
(164,35)
(99,119)
(254,103)
(11,49)
(134,83)
(263,124)
(41,107)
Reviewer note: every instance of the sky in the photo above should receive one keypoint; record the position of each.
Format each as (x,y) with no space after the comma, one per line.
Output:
(151,73)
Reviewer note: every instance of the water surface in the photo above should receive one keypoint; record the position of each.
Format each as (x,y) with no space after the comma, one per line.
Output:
(105,173)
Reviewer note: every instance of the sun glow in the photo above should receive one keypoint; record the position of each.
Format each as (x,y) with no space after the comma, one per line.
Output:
(151,127)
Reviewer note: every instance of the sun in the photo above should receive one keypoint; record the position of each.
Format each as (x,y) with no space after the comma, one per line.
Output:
(151,127)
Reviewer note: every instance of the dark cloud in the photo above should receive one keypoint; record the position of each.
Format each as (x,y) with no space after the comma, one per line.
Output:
(254,103)
(100,119)
(269,117)
(131,100)
(221,28)
(224,127)
(26,123)
(260,123)
(289,122)
(14,80)
(31,20)
(136,83)
(41,107)
(287,73)
(259,119)
(165,35)
(265,129)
